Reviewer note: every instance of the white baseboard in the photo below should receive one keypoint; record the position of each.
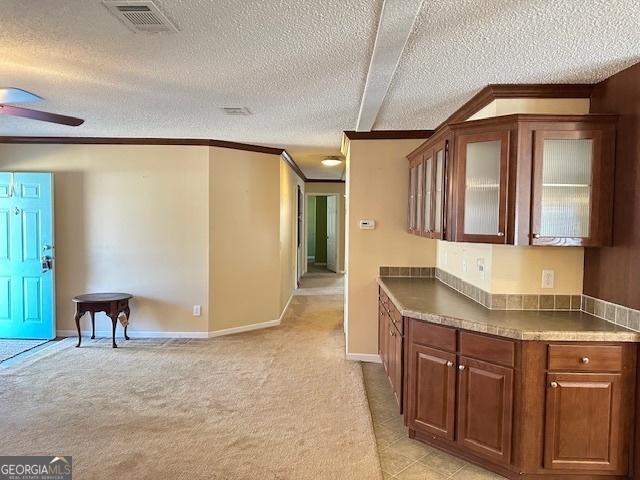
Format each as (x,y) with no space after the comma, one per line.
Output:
(244,328)
(155,334)
(364,357)
(286,307)
(133,334)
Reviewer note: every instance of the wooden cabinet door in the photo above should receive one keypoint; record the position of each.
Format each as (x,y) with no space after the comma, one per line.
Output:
(431,393)
(485,409)
(395,363)
(383,326)
(572,178)
(482,161)
(583,429)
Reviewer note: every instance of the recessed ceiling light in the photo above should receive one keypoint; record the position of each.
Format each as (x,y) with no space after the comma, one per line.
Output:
(331,161)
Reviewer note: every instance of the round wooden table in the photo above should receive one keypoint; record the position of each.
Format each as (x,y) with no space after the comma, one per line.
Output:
(113,304)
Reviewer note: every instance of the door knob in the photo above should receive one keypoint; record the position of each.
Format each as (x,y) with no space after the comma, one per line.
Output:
(554,384)
(501,234)
(460,367)
(449,364)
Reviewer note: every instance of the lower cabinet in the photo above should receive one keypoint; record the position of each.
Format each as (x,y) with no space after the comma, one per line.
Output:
(391,349)
(432,391)
(583,427)
(485,409)
(523,409)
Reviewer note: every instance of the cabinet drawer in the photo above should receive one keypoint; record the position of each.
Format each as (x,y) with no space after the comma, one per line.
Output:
(489,349)
(604,358)
(442,338)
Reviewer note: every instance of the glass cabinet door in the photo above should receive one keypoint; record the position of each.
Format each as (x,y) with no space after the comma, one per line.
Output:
(419,193)
(413,190)
(427,226)
(438,221)
(483,173)
(563,186)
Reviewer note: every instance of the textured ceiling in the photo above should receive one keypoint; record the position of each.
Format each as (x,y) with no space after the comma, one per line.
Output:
(460,46)
(299,65)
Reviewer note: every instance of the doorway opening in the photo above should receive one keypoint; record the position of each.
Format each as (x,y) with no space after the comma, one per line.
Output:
(322,233)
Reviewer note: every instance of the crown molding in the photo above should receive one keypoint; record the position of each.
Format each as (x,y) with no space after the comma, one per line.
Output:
(526,90)
(388,134)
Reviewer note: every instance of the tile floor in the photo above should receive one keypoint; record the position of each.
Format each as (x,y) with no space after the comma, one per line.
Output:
(401,457)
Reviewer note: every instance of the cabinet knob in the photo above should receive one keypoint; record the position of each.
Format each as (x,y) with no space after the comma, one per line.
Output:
(584,360)
(449,364)
(501,234)
(536,235)
(392,333)
(554,384)
(460,367)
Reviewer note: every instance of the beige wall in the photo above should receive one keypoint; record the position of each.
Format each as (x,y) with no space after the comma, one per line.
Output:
(128,218)
(377,182)
(177,226)
(244,238)
(510,269)
(339,189)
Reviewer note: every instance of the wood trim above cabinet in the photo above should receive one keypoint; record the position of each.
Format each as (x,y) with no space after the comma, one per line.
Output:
(495,91)
(388,134)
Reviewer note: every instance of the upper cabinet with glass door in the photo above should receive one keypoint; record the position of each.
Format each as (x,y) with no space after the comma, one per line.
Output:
(519,180)
(430,204)
(572,183)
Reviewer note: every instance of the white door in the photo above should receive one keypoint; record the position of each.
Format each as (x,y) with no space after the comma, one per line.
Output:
(332,222)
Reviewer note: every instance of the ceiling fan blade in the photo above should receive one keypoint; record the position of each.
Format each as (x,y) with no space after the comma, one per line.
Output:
(40,115)
(17,95)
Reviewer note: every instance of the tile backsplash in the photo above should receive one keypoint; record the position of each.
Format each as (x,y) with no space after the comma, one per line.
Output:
(618,314)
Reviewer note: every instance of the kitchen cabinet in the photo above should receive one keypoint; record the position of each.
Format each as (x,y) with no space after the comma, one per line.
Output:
(518,180)
(391,346)
(431,391)
(432,215)
(485,409)
(524,409)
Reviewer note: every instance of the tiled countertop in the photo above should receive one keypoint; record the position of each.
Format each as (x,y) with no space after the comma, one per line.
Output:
(430,300)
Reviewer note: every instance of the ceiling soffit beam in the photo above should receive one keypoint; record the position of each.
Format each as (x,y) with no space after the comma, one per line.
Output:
(394,28)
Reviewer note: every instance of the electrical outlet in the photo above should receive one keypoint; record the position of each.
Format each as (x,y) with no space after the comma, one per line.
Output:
(197,310)
(480,262)
(548,278)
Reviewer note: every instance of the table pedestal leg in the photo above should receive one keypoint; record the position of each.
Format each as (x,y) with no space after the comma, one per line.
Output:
(77,319)
(127,312)
(114,321)
(93,325)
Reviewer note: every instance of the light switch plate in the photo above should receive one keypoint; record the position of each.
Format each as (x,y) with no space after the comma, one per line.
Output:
(548,278)
(197,310)
(367,224)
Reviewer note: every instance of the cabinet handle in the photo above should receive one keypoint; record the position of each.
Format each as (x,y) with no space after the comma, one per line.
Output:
(449,363)
(584,360)
(501,234)
(554,384)
(392,333)
(460,367)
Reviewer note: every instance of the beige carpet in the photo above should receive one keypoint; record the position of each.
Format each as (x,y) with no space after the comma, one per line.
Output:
(280,403)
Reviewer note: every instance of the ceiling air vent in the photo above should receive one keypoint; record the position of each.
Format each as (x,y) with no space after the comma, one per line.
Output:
(140,15)
(236,111)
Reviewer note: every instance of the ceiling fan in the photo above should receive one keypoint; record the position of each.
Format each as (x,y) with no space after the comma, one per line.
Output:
(17,95)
